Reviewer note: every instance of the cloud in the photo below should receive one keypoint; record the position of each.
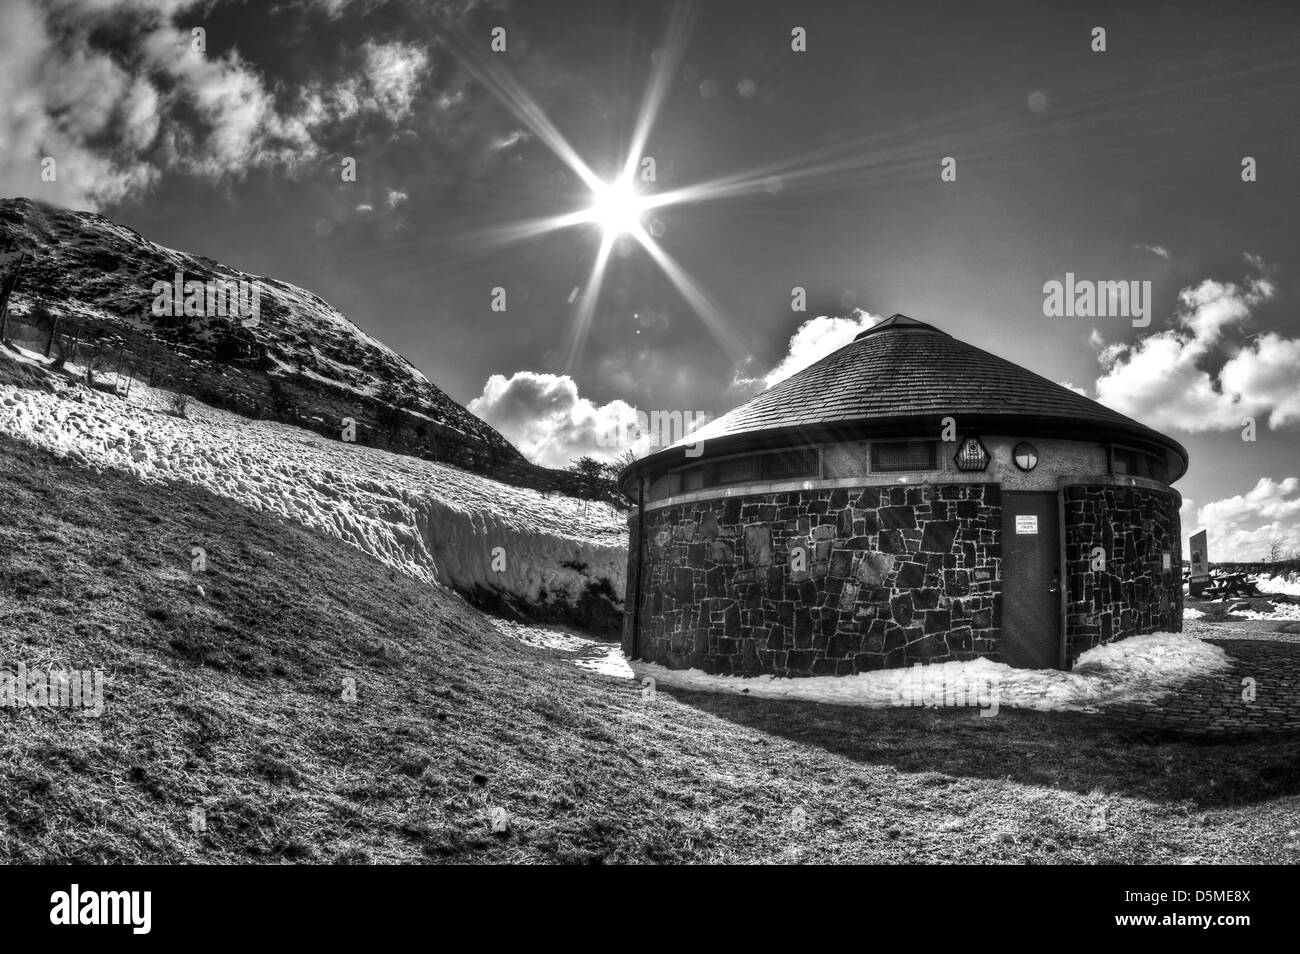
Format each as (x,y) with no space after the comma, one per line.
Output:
(1211,307)
(1179,379)
(393,74)
(116,120)
(510,140)
(1257,262)
(811,341)
(1243,527)
(545,417)
(1076,390)
(235,122)
(1157,250)
(396,198)
(59,99)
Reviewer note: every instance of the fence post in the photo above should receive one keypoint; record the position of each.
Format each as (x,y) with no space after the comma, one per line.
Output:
(54,330)
(6,289)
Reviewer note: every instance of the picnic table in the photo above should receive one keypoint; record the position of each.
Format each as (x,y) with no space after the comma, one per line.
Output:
(1230,584)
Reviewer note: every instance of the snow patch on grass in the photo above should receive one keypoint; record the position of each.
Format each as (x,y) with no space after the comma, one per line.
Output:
(1137,669)
(1280,611)
(431,521)
(1287,585)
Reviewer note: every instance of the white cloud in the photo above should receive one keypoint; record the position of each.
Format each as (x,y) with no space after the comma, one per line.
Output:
(811,341)
(239,125)
(393,73)
(114,124)
(545,417)
(509,141)
(1157,250)
(58,98)
(396,198)
(1244,526)
(1076,390)
(1169,379)
(1209,308)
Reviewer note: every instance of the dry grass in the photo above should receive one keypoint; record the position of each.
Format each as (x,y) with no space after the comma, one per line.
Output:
(232,701)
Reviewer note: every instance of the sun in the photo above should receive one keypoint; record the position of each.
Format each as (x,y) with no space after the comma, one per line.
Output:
(617,208)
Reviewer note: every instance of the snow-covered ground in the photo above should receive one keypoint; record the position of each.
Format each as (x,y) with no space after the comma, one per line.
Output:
(1137,669)
(1280,611)
(87,270)
(432,521)
(1278,584)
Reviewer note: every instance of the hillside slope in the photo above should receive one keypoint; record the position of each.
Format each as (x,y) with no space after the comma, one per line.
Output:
(546,557)
(230,700)
(302,363)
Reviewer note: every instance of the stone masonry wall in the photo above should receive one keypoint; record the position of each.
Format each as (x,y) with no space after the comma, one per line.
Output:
(1134,594)
(895,575)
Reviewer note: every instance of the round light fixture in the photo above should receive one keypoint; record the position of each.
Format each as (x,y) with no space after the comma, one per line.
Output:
(1026,456)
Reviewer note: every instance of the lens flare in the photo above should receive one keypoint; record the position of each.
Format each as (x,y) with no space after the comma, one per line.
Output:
(617,208)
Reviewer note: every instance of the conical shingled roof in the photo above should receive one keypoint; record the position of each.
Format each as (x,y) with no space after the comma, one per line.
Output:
(902,368)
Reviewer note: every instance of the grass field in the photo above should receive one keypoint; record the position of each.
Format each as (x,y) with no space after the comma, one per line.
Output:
(231,700)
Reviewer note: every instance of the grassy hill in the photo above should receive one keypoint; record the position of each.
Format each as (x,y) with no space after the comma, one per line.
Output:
(231,700)
(304,363)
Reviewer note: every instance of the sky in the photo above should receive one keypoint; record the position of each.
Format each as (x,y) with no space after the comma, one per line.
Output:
(942,160)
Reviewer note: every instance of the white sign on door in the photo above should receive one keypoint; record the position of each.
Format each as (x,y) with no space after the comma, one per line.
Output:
(1026,523)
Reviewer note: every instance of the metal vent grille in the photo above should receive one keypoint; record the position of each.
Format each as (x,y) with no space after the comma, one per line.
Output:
(903,455)
(732,471)
(789,465)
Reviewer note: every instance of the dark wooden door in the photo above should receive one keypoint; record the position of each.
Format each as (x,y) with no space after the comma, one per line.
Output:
(1031,580)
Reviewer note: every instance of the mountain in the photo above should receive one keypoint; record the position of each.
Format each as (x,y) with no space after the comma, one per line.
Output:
(301,362)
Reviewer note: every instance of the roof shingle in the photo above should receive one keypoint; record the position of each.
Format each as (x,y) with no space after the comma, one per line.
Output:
(902,368)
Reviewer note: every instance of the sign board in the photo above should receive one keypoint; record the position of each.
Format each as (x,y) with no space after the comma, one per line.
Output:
(1166,561)
(1026,523)
(1200,576)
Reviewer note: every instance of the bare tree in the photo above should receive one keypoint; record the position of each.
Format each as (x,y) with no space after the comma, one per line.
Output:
(1274,551)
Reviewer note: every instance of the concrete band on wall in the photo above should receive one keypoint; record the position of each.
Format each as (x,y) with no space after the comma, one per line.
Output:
(1059,459)
(895,575)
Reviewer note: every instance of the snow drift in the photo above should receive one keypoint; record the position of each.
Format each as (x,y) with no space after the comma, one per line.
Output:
(1136,669)
(1285,584)
(552,557)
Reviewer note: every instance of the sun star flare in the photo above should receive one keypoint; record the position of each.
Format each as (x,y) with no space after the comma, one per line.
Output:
(617,208)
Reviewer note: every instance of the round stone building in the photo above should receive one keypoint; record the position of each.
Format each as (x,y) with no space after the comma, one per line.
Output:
(908,498)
